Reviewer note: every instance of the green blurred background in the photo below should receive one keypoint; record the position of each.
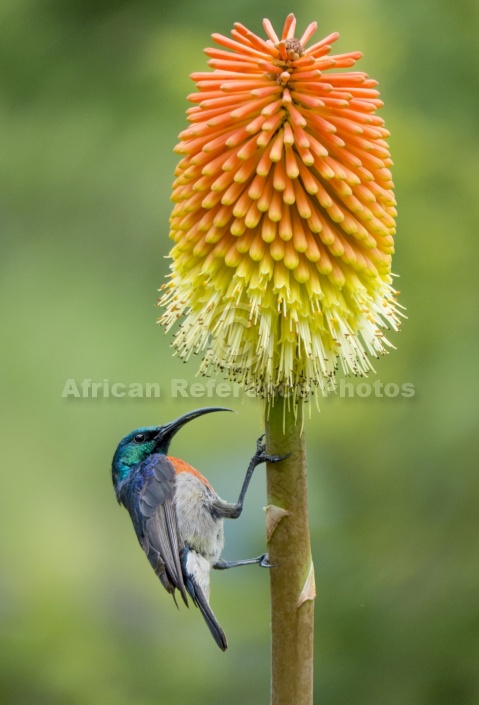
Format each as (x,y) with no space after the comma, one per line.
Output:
(92,99)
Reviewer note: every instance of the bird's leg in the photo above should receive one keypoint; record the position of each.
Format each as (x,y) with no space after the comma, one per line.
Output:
(262,560)
(233,511)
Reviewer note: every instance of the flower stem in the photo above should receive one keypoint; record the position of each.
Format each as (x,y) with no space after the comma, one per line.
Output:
(292,581)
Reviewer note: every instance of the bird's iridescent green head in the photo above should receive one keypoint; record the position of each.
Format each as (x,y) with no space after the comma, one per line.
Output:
(134,448)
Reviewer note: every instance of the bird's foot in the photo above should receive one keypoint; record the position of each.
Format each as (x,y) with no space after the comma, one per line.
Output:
(261,456)
(264,562)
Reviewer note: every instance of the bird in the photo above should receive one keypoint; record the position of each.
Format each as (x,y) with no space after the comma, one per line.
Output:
(176,513)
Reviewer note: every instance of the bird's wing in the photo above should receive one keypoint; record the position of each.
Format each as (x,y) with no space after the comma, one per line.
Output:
(160,529)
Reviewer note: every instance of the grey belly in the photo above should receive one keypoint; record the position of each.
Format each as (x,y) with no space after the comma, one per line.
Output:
(198,528)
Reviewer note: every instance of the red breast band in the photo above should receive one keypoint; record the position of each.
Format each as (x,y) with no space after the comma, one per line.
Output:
(181,466)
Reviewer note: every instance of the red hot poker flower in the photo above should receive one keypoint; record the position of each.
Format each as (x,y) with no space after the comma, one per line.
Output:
(284,215)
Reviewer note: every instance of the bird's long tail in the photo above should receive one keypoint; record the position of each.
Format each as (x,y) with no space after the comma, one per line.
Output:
(199,598)
(210,619)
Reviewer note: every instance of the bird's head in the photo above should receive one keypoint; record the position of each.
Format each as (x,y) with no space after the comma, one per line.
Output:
(143,442)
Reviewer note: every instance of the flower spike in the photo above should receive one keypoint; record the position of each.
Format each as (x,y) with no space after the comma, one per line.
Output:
(284,215)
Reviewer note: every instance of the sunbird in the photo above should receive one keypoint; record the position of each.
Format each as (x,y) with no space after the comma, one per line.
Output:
(177,515)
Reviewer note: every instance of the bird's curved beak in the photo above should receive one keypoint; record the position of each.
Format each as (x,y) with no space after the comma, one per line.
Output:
(166,432)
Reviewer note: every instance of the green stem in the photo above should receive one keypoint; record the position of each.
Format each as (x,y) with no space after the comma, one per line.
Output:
(292,581)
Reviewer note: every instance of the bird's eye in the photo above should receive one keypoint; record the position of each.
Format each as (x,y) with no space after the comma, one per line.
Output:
(140,437)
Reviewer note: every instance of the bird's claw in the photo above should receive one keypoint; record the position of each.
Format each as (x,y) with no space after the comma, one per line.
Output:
(264,562)
(277,458)
(261,456)
(259,443)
